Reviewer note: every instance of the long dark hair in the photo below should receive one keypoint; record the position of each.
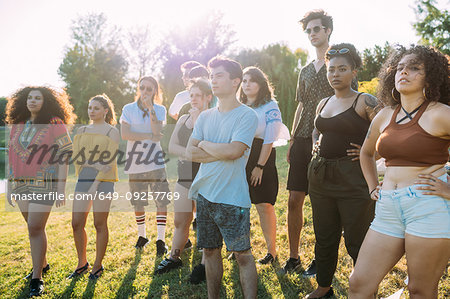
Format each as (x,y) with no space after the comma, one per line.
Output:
(106,102)
(157,98)
(437,87)
(265,93)
(56,104)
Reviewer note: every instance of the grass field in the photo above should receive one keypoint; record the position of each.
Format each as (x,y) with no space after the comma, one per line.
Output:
(129,273)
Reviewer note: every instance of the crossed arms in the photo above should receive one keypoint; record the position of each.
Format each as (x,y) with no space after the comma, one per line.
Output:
(206,151)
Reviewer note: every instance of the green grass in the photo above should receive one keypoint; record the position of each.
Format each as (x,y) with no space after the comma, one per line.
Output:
(129,274)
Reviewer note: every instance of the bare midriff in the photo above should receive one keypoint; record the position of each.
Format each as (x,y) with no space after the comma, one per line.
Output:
(397,177)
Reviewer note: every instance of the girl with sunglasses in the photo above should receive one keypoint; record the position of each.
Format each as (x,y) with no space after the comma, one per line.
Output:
(337,189)
(141,125)
(93,178)
(412,210)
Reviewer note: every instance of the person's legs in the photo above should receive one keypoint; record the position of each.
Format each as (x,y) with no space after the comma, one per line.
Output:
(209,238)
(138,184)
(426,260)
(247,273)
(268,221)
(182,221)
(79,216)
(101,213)
(214,271)
(378,254)
(295,220)
(23,207)
(328,231)
(37,219)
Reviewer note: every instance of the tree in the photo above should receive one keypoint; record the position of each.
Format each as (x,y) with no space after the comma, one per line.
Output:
(95,64)
(143,53)
(281,66)
(200,41)
(373,60)
(433,25)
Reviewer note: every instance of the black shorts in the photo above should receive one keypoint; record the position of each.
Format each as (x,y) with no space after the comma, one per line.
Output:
(300,156)
(267,191)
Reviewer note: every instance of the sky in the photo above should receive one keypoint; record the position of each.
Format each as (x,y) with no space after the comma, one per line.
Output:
(34,33)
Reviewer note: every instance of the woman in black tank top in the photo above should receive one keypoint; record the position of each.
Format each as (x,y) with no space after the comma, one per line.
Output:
(337,189)
(201,94)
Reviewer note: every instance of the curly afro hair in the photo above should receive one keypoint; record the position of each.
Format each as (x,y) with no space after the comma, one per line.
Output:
(436,74)
(56,104)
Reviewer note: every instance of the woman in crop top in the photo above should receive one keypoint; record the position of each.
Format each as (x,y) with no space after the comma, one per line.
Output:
(413,134)
(96,177)
(201,94)
(262,176)
(337,189)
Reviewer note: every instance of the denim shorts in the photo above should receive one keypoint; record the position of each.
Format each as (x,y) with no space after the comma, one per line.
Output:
(87,178)
(408,210)
(218,222)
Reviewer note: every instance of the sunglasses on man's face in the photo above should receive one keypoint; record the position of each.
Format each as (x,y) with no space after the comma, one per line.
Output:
(340,51)
(148,88)
(315,29)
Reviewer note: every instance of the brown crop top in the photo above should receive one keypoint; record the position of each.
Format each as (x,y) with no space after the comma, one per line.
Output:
(410,145)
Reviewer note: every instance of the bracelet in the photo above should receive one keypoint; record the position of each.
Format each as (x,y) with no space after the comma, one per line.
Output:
(259,166)
(372,191)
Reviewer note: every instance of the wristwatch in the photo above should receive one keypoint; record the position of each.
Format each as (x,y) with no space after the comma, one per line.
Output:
(259,166)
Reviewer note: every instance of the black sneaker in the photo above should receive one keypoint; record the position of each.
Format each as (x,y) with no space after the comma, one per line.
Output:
(141,242)
(267,259)
(291,265)
(44,270)
(198,274)
(36,287)
(328,294)
(168,264)
(161,248)
(188,245)
(194,225)
(311,271)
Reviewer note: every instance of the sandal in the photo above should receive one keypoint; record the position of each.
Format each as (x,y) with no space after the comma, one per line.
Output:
(79,271)
(96,275)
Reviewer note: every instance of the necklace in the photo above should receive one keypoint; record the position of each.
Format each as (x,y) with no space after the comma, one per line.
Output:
(409,114)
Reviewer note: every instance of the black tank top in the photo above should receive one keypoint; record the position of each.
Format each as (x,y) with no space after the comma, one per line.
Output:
(341,130)
(184,133)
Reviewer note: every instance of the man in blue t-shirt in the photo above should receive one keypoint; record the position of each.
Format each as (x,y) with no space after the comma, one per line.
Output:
(221,141)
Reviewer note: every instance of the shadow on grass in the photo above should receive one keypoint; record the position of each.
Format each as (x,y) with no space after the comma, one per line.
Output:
(25,291)
(69,289)
(90,289)
(289,288)
(126,289)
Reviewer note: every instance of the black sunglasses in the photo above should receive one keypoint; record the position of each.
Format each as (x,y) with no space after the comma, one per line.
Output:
(148,88)
(340,51)
(315,29)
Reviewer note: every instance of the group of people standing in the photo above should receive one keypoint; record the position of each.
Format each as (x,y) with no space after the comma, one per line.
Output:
(228,124)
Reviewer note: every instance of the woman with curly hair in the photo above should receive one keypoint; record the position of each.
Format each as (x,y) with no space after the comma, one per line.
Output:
(37,178)
(262,176)
(337,189)
(95,176)
(413,134)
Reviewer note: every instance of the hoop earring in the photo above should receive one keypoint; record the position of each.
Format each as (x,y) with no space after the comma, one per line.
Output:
(392,92)
(424,91)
